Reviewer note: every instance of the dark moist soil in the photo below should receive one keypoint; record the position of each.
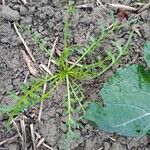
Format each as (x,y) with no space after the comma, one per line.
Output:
(47,17)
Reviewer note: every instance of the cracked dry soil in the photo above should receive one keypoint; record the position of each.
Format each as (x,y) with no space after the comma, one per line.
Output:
(47,17)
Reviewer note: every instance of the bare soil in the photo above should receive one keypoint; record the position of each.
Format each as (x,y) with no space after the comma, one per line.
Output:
(47,17)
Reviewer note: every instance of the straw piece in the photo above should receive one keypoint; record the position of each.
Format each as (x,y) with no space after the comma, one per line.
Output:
(122,7)
(33,136)
(17,129)
(40,142)
(23,134)
(146,6)
(24,2)
(37,135)
(7,140)
(44,87)
(46,69)
(23,41)
(47,146)
(26,77)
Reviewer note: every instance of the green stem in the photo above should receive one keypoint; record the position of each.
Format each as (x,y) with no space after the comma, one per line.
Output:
(77,98)
(119,56)
(94,45)
(78,87)
(23,98)
(107,68)
(86,52)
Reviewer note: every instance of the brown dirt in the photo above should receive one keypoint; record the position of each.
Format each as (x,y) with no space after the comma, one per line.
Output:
(47,17)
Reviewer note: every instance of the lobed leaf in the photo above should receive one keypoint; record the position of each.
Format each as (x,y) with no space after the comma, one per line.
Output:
(126,108)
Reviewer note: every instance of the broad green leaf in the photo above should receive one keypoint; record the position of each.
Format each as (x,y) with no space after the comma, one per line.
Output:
(147,53)
(126,98)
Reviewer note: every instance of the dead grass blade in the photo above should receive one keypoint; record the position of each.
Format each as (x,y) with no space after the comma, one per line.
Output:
(40,110)
(26,77)
(46,69)
(146,6)
(17,129)
(37,135)
(40,142)
(47,146)
(45,85)
(122,7)
(30,64)
(113,139)
(24,146)
(87,6)
(41,139)
(24,2)
(33,136)
(139,4)
(72,63)
(8,140)
(25,45)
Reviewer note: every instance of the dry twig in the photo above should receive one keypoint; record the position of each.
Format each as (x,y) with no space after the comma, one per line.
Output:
(8,140)
(26,77)
(37,135)
(25,45)
(33,136)
(47,146)
(46,69)
(146,6)
(44,87)
(24,2)
(72,63)
(40,142)
(24,146)
(40,137)
(113,139)
(17,129)
(122,7)
(85,6)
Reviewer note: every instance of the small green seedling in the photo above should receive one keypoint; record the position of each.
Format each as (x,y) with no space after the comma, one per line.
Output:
(68,74)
